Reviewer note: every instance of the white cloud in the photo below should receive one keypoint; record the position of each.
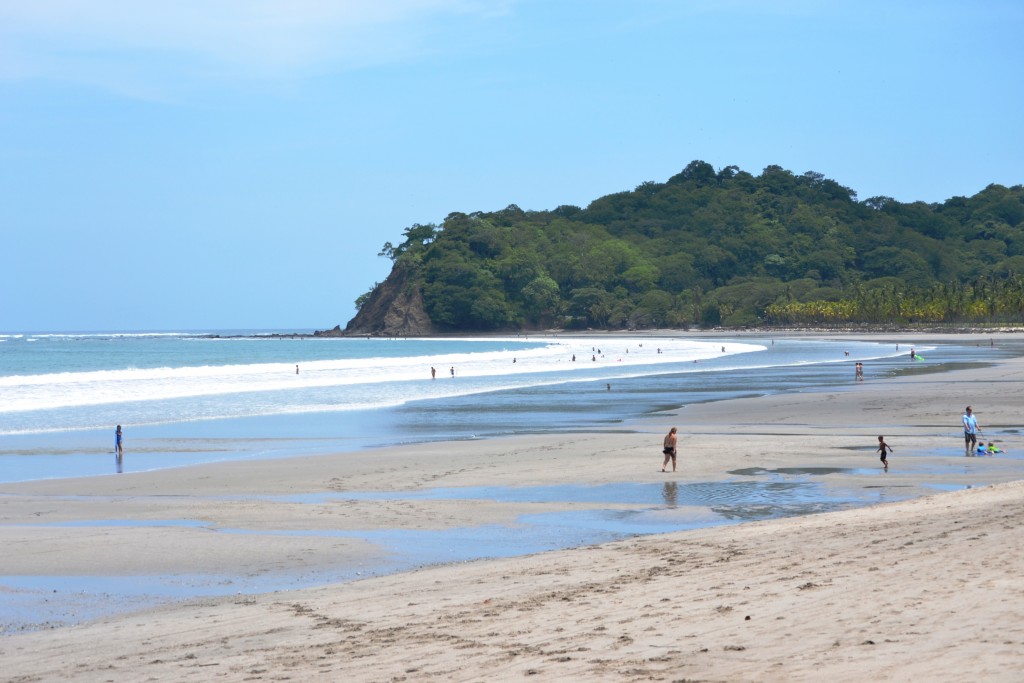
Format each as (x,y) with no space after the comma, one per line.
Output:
(138,40)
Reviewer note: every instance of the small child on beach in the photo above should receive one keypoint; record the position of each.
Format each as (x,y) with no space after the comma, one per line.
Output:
(882,445)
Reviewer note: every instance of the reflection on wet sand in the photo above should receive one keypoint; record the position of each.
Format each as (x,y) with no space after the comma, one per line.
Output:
(670,493)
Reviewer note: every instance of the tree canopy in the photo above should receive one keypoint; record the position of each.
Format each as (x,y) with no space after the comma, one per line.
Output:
(723,247)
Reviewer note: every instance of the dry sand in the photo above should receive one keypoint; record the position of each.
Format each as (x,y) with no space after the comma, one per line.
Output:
(923,589)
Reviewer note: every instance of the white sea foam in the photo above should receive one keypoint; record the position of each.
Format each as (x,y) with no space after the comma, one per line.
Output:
(210,379)
(111,335)
(374,377)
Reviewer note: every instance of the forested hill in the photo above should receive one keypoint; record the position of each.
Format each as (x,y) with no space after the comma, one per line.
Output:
(708,248)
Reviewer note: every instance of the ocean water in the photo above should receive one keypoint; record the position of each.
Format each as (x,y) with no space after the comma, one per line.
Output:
(193,398)
(185,398)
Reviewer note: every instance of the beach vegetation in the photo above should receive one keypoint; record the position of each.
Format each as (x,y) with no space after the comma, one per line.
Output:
(723,247)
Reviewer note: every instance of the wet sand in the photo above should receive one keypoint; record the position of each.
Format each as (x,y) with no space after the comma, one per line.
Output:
(922,589)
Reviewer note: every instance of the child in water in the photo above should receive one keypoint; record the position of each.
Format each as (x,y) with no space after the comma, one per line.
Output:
(882,445)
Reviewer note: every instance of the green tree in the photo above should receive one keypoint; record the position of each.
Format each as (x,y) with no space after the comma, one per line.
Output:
(542,298)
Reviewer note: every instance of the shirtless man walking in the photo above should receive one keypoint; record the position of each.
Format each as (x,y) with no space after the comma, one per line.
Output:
(670,449)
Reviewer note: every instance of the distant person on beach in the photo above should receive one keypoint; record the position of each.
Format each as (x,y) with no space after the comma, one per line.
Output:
(452,370)
(882,446)
(971,430)
(296,369)
(433,373)
(858,372)
(118,443)
(669,449)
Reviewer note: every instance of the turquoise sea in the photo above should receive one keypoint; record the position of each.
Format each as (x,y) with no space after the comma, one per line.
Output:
(191,397)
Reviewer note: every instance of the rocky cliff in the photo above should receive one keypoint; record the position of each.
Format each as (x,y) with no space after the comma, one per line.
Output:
(394,309)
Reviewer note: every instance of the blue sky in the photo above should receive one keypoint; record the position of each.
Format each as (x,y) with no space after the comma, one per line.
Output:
(214,164)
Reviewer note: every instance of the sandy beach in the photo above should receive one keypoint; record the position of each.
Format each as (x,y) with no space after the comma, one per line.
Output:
(923,584)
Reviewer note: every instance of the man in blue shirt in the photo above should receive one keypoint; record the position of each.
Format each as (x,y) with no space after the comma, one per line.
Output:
(971,430)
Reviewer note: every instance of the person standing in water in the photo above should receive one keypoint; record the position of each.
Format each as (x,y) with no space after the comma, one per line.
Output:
(669,449)
(971,430)
(118,443)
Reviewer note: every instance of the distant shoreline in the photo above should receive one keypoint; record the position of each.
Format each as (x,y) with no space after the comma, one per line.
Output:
(850,331)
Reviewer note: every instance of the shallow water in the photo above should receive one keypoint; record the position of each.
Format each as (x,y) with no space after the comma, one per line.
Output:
(813,471)
(32,602)
(952,487)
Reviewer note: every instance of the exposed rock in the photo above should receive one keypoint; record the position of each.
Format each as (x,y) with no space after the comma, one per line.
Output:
(394,309)
(333,332)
